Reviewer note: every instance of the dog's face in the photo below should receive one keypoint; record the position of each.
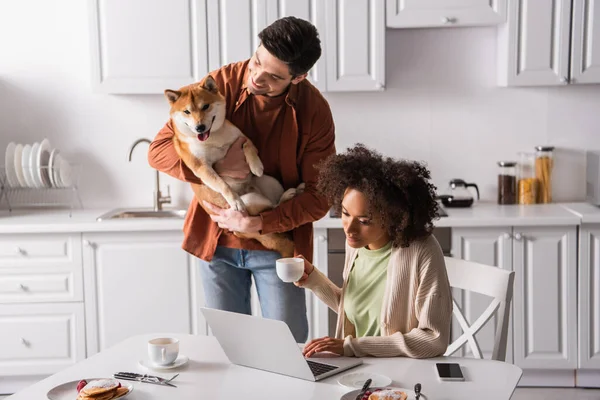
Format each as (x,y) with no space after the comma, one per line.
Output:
(197,109)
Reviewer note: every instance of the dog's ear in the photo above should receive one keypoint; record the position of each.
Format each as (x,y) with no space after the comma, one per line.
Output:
(210,84)
(172,95)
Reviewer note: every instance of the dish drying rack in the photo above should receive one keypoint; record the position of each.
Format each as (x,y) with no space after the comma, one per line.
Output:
(42,191)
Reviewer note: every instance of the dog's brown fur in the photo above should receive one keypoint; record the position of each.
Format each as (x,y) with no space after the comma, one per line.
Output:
(202,137)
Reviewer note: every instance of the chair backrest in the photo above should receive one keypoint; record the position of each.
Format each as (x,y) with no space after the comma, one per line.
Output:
(490,281)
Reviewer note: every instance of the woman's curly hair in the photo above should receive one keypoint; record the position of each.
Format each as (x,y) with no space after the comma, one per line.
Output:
(399,190)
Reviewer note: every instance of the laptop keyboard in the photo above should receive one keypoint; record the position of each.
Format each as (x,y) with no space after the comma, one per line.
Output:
(319,369)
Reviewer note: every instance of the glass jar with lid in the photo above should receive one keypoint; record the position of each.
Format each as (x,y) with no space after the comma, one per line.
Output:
(527,183)
(507,182)
(544,163)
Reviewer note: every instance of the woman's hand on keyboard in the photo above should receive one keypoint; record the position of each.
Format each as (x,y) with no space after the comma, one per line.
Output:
(324,344)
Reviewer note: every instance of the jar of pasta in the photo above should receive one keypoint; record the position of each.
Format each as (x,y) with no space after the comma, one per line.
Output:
(527,183)
(544,163)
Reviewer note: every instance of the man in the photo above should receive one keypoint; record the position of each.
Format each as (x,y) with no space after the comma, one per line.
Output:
(269,100)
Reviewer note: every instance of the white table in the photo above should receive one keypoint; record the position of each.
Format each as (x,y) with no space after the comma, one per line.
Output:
(210,375)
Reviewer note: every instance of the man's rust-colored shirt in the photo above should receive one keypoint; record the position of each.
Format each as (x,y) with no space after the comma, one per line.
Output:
(292,132)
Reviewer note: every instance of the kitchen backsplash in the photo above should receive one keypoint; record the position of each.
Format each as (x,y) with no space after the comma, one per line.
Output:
(441,106)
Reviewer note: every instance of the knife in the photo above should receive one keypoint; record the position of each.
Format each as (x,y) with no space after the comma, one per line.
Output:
(129,376)
(364,389)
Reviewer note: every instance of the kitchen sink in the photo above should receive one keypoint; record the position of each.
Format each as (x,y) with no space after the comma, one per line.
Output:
(141,213)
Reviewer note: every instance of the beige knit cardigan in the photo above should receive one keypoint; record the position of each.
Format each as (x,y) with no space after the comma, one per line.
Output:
(417,304)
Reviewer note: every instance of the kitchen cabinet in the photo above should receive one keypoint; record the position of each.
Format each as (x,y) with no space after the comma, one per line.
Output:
(355,45)
(444,13)
(139,46)
(135,50)
(588,373)
(137,283)
(544,324)
(548,43)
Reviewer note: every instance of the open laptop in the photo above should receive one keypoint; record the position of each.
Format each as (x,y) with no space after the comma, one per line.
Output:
(269,345)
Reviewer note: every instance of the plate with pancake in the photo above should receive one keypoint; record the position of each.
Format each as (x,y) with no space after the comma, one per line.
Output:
(383,393)
(91,389)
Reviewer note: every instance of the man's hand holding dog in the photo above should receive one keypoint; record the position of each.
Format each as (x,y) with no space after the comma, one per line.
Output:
(234,221)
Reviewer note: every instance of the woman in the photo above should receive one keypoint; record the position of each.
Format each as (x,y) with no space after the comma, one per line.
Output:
(396,298)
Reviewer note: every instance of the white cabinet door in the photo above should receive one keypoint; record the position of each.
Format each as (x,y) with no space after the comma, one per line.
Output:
(545,308)
(139,47)
(490,246)
(533,46)
(233,27)
(589,298)
(138,283)
(585,42)
(40,339)
(355,36)
(310,10)
(445,13)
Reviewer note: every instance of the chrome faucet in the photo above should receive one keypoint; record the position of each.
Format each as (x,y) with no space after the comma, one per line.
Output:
(158,198)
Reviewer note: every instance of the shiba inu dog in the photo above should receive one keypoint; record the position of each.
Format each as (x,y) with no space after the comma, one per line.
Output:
(202,137)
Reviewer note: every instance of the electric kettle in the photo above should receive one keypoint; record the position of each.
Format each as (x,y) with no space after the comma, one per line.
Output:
(458,194)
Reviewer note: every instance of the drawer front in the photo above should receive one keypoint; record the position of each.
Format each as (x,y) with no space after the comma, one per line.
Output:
(40,338)
(38,250)
(31,288)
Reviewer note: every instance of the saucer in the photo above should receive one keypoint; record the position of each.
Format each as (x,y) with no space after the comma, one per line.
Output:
(181,360)
(356,380)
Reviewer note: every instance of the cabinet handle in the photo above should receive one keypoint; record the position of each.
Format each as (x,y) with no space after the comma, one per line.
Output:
(20,251)
(87,243)
(322,238)
(518,236)
(22,287)
(506,235)
(564,79)
(24,342)
(448,20)
(378,86)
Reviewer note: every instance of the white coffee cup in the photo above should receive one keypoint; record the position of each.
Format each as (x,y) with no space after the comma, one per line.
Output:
(163,351)
(290,269)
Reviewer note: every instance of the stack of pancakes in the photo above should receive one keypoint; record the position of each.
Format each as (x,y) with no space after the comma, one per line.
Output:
(388,394)
(102,389)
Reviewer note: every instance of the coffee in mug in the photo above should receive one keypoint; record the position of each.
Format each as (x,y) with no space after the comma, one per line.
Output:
(290,269)
(163,351)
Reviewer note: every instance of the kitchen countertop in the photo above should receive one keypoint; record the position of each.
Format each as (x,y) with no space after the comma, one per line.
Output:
(492,214)
(479,215)
(587,213)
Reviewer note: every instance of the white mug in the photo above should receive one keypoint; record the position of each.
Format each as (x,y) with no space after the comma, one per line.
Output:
(163,351)
(290,269)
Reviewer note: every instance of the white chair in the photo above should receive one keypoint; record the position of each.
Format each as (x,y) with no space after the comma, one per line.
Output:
(490,281)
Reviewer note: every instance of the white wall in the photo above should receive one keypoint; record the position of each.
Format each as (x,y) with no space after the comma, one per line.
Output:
(441,106)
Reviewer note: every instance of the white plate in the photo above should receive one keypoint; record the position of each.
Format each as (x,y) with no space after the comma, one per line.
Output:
(68,391)
(25,159)
(9,165)
(66,173)
(43,158)
(34,167)
(51,162)
(19,165)
(180,361)
(411,395)
(356,380)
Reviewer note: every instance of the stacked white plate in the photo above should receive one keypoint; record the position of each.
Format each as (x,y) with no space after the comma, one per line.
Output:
(36,166)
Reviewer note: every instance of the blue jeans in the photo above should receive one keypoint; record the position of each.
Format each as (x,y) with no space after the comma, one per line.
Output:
(227,278)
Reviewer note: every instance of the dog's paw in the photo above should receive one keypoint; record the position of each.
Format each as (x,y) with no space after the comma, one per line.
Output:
(300,188)
(237,204)
(257,168)
(288,195)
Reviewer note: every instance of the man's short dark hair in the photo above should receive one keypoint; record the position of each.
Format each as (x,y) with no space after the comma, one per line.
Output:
(294,41)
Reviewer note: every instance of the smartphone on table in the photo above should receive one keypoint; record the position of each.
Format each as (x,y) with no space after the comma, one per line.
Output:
(449,372)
